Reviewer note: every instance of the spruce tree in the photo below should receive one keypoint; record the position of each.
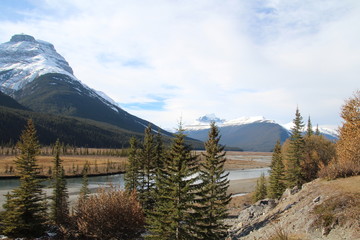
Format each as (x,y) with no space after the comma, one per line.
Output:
(295,155)
(317,131)
(277,174)
(133,167)
(25,207)
(309,130)
(85,191)
(147,161)
(213,197)
(60,205)
(260,191)
(173,217)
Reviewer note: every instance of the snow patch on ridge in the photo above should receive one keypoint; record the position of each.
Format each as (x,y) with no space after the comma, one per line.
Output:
(200,124)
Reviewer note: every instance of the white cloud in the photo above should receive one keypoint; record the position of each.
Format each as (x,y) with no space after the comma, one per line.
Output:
(231,58)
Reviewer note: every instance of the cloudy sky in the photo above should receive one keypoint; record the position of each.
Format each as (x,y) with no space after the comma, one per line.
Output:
(181,59)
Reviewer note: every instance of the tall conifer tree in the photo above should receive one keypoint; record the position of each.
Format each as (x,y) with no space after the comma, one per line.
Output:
(85,191)
(147,160)
(213,196)
(173,217)
(309,130)
(295,155)
(277,174)
(25,207)
(260,190)
(133,167)
(60,205)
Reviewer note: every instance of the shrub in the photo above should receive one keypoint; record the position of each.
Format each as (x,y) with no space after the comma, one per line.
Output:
(339,209)
(110,214)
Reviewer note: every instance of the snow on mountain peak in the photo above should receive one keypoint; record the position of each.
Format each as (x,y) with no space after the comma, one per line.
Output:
(204,122)
(23,59)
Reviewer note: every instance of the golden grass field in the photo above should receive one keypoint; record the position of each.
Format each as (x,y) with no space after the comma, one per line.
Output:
(73,164)
(102,164)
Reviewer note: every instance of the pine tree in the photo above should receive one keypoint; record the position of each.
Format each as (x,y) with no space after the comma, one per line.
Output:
(60,205)
(295,155)
(133,167)
(260,191)
(25,207)
(309,130)
(172,217)
(213,196)
(277,174)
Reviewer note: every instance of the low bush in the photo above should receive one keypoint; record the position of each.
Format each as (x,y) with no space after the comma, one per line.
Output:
(340,209)
(337,169)
(109,214)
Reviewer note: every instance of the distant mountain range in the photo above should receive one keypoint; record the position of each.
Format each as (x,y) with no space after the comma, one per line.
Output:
(37,82)
(246,133)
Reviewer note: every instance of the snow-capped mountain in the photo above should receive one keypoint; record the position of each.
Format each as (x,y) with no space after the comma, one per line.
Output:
(204,122)
(23,59)
(247,133)
(35,75)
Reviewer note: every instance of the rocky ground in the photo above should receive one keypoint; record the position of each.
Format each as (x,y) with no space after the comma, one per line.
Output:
(320,210)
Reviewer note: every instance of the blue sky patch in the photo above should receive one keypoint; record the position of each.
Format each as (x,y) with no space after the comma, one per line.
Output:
(157,105)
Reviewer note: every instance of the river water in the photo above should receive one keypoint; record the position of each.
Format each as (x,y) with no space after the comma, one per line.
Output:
(117,180)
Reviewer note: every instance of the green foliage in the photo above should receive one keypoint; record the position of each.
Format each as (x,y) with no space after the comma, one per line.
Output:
(85,191)
(213,197)
(25,208)
(173,216)
(132,170)
(276,185)
(59,206)
(319,151)
(309,130)
(147,160)
(260,191)
(295,154)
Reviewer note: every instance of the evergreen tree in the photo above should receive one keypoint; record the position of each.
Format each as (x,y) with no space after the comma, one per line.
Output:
(25,207)
(260,191)
(147,173)
(277,173)
(309,131)
(213,196)
(85,191)
(159,151)
(133,167)
(317,131)
(60,205)
(173,217)
(295,154)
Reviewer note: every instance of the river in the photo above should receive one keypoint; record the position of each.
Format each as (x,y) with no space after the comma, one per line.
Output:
(117,180)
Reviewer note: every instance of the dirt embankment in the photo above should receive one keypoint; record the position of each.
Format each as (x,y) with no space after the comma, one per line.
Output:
(320,210)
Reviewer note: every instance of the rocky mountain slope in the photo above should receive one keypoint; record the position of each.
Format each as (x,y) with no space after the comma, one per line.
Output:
(320,210)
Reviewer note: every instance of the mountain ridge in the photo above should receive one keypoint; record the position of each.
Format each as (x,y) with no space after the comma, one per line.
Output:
(36,76)
(248,133)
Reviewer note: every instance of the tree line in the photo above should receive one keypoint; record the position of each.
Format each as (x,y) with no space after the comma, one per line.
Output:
(169,194)
(307,156)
